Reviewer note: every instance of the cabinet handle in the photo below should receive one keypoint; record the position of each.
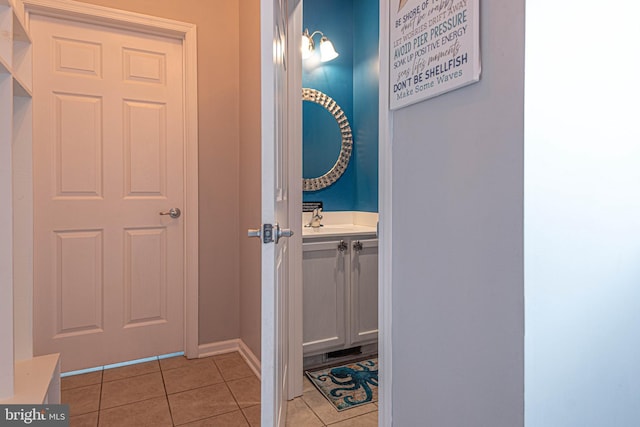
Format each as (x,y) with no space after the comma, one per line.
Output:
(357,246)
(342,246)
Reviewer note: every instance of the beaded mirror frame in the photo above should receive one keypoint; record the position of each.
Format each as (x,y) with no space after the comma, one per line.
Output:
(320,98)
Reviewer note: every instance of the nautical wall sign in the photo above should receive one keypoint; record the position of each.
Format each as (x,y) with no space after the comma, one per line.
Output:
(434,48)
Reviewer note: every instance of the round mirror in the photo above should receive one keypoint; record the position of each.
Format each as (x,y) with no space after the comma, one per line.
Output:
(322,140)
(325,179)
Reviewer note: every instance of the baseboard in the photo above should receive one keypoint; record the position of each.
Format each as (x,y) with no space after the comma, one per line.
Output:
(215,348)
(251,359)
(222,347)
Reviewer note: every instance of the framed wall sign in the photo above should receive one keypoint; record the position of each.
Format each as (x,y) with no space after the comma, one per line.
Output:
(434,48)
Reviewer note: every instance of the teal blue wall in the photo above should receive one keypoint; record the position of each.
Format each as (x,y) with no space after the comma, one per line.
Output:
(365,103)
(352,81)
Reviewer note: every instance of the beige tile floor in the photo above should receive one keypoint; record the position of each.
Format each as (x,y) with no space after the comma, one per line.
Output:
(215,391)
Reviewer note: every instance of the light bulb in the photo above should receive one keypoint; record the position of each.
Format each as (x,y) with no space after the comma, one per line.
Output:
(327,51)
(307,45)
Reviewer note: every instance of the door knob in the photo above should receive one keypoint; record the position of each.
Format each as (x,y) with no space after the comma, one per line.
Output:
(173,213)
(282,232)
(270,233)
(254,233)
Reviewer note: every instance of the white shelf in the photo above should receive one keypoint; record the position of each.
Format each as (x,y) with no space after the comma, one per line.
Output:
(19,30)
(33,380)
(15,48)
(37,381)
(6,33)
(21,60)
(4,67)
(20,88)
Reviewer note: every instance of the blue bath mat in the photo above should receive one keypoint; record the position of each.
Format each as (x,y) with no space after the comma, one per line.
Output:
(349,385)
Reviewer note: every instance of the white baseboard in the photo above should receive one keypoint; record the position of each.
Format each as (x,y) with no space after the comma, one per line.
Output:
(215,348)
(251,359)
(230,346)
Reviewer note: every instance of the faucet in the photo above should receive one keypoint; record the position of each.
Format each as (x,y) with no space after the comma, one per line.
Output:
(315,218)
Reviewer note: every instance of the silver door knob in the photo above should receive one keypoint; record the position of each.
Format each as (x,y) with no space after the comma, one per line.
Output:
(281,232)
(173,213)
(270,233)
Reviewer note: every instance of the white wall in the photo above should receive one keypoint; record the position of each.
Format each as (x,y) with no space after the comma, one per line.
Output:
(582,214)
(250,176)
(458,309)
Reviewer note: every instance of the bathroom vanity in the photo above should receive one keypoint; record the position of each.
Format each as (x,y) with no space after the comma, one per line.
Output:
(339,258)
(340,288)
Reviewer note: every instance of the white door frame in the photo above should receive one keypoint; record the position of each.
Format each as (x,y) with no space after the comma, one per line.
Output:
(385,253)
(294,76)
(98,15)
(385,205)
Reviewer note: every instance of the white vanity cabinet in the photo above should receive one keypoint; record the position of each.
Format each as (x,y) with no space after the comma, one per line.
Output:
(340,293)
(325,296)
(364,291)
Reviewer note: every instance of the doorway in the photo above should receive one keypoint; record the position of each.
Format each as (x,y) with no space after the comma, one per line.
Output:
(351,80)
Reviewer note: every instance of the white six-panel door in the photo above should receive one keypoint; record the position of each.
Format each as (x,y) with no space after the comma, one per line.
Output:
(108,158)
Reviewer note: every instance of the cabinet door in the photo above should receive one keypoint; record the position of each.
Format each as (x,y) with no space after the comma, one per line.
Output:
(364,291)
(324,294)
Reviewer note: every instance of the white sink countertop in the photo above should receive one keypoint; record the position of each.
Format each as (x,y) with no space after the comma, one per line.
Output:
(336,224)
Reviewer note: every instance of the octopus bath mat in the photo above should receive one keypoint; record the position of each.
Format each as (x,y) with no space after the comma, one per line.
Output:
(349,385)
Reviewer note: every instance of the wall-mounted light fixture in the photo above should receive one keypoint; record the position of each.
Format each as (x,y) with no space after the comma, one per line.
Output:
(327,51)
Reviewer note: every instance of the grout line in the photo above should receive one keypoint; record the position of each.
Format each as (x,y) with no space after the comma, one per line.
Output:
(245,415)
(212,417)
(226,383)
(250,374)
(188,365)
(174,368)
(84,385)
(234,396)
(194,388)
(81,386)
(130,403)
(312,411)
(130,376)
(352,418)
(100,397)
(166,394)
(325,423)
(199,387)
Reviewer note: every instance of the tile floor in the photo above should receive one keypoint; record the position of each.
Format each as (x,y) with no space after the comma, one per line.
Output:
(215,391)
